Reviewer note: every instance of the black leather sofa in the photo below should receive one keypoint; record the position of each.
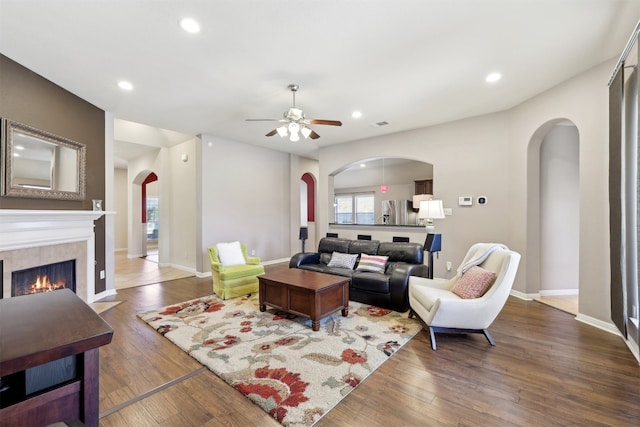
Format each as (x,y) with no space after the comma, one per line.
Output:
(388,289)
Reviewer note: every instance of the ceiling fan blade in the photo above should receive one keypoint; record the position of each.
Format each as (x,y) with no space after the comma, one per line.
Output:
(325,122)
(273,132)
(314,135)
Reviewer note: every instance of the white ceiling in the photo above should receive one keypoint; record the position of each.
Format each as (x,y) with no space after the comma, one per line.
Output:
(412,63)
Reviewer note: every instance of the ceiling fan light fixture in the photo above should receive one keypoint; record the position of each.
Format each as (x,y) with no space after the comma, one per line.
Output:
(294,127)
(282,131)
(294,137)
(305,131)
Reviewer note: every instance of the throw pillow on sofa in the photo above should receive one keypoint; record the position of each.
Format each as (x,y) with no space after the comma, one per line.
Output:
(474,283)
(372,263)
(338,259)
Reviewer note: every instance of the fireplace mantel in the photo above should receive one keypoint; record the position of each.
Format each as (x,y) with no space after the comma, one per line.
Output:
(24,229)
(30,228)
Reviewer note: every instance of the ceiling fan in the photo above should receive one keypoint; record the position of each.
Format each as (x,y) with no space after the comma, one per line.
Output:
(295,122)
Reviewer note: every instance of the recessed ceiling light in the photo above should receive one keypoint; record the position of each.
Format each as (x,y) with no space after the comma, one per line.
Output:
(190,25)
(362,165)
(493,77)
(125,85)
(356,114)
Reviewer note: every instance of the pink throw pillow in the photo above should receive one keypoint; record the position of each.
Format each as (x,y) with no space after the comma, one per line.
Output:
(474,283)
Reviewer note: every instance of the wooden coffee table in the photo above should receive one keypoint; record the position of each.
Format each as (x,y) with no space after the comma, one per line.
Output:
(304,293)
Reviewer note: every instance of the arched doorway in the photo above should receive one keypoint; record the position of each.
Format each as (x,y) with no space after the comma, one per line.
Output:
(143,185)
(150,216)
(553,212)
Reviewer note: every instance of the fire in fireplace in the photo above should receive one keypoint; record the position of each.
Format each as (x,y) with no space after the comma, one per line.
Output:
(44,278)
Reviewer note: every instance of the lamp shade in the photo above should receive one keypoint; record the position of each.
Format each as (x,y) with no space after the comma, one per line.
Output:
(431,209)
(304,233)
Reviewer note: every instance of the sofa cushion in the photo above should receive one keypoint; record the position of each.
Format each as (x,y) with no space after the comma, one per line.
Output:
(372,263)
(325,257)
(319,268)
(371,282)
(411,253)
(230,254)
(342,260)
(474,283)
(364,247)
(237,271)
(334,244)
(338,271)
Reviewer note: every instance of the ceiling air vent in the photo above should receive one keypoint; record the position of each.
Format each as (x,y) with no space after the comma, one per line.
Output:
(380,124)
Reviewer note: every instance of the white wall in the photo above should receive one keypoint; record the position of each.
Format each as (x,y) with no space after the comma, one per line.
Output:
(489,156)
(182,206)
(467,158)
(121,208)
(246,196)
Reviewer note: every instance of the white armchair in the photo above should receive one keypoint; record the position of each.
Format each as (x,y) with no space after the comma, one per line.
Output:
(437,301)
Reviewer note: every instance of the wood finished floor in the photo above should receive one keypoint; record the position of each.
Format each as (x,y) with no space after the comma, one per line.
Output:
(132,272)
(546,370)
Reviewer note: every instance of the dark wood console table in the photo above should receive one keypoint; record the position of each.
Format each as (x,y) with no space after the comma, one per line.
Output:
(43,328)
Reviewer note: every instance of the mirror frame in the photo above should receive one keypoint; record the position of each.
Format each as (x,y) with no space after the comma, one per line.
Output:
(10,189)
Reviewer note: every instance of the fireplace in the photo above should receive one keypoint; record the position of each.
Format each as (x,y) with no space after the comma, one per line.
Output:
(44,278)
(32,238)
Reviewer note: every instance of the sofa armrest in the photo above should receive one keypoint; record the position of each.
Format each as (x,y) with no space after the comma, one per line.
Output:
(304,258)
(253,260)
(399,273)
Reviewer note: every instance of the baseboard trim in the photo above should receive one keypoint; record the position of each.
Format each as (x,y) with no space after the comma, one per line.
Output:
(103,294)
(524,296)
(605,326)
(557,292)
(276,261)
(633,347)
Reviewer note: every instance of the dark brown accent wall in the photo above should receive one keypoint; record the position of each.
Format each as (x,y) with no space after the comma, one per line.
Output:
(29,98)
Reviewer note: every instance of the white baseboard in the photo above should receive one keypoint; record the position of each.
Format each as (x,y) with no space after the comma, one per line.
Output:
(557,292)
(633,347)
(103,294)
(178,267)
(276,261)
(524,296)
(605,326)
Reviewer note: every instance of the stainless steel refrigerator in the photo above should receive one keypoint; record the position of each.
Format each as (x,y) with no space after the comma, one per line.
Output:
(398,212)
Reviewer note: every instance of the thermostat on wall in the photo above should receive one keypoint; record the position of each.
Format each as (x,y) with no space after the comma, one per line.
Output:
(482,200)
(465,201)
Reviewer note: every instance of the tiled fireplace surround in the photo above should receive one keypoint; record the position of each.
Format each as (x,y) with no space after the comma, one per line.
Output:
(31,238)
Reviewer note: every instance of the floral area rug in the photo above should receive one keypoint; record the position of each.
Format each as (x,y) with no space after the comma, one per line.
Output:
(275,359)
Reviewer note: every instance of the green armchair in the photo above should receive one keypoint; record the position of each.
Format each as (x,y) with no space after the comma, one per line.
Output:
(231,281)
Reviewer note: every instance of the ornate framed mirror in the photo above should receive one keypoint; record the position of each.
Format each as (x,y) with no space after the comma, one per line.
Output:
(39,164)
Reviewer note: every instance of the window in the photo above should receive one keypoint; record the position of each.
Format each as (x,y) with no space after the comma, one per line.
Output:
(354,208)
(152,218)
